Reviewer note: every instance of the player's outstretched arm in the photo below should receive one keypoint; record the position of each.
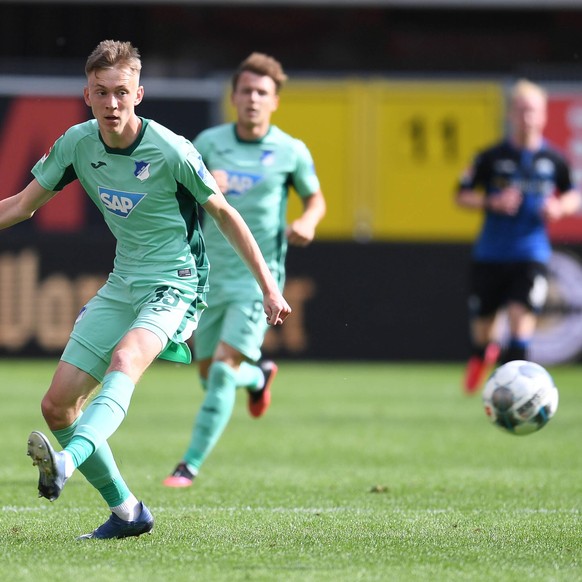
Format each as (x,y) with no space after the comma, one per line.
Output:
(23,205)
(236,231)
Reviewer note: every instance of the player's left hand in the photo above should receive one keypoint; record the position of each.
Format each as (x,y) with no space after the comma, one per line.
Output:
(552,209)
(300,233)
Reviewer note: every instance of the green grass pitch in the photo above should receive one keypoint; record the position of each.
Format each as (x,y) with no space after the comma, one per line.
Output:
(357,472)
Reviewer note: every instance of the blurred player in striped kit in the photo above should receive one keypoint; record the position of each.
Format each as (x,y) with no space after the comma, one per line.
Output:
(520,184)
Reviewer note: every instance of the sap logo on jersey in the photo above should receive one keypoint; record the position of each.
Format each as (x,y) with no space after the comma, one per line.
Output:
(119,203)
(239,182)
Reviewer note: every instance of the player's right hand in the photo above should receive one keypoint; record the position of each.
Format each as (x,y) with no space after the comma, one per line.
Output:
(276,309)
(507,201)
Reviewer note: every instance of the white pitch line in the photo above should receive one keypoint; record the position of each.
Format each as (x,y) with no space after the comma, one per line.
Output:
(307,510)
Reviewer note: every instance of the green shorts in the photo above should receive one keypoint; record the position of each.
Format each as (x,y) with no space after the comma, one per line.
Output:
(240,324)
(169,307)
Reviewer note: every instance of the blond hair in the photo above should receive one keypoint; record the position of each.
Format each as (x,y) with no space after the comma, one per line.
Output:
(524,87)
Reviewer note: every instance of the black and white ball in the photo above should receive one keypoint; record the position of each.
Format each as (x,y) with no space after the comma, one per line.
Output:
(520,397)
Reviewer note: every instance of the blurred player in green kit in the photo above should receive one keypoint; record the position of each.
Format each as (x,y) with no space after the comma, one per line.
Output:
(148,183)
(254,164)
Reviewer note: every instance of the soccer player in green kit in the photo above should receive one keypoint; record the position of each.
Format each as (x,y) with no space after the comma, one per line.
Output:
(147,182)
(254,164)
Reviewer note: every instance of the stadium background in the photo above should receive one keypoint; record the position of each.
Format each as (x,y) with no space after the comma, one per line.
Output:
(393,98)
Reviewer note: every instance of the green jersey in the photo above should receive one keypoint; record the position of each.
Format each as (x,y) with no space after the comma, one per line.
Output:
(147,193)
(259,176)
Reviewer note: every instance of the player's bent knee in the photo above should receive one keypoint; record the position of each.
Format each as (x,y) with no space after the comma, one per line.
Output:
(56,415)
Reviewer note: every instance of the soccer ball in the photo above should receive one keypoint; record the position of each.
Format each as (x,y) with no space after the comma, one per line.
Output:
(520,397)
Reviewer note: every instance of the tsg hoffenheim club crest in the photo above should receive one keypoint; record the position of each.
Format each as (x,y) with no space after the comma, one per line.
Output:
(142,170)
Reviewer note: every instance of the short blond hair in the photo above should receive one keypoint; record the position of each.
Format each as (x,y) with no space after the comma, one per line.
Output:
(524,87)
(112,53)
(261,64)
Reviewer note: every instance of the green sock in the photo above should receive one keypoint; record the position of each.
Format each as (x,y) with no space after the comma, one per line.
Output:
(99,469)
(249,376)
(102,417)
(214,414)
